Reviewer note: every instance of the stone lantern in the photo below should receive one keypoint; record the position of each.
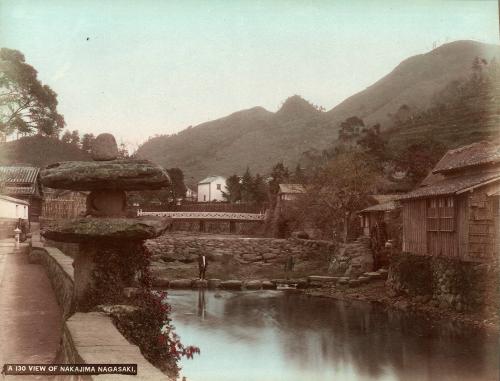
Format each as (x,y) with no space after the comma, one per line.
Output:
(110,245)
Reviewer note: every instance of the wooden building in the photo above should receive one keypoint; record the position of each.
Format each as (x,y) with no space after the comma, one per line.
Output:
(455,213)
(290,192)
(23,183)
(380,213)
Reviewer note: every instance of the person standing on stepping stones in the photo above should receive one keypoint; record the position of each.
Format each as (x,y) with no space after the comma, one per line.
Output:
(202,265)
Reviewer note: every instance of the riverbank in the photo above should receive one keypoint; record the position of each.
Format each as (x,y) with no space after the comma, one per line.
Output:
(377,292)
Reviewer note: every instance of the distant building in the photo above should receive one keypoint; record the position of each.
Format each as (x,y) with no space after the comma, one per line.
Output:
(211,188)
(11,210)
(456,213)
(23,183)
(290,192)
(378,214)
(191,195)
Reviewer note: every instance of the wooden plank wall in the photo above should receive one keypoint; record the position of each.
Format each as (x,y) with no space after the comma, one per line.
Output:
(483,224)
(415,226)
(462,225)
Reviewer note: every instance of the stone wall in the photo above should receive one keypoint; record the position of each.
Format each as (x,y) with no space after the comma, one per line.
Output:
(185,248)
(219,227)
(88,338)
(353,259)
(464,286)
(59,269)
(91,338)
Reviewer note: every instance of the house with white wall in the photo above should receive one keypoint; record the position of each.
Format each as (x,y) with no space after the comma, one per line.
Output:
(12,208)
(211,188)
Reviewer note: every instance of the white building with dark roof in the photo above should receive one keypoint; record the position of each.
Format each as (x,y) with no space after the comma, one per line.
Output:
(211,188)
(23,183)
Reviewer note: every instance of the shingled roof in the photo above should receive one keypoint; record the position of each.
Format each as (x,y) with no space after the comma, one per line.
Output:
(476,154)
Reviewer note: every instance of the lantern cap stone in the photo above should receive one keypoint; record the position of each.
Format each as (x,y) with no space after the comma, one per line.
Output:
(104,148)
(125,174)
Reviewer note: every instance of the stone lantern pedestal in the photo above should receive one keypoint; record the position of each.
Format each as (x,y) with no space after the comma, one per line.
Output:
(110,245)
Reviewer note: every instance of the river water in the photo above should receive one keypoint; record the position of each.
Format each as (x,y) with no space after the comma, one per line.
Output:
(275,335)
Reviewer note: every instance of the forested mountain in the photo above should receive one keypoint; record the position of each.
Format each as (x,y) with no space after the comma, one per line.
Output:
(39,151)
(258,138)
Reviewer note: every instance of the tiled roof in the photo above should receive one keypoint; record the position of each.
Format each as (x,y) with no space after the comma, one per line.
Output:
(453,185)
(19,175)
(475,154)
(292,188)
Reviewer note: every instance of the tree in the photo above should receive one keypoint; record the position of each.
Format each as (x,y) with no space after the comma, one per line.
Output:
(350,130)
(371,142)
(66,137)
(178,188)
(299,176)
(279,175)
(87,141)
(259,189)
(340,189)
(233,189)
(75,138)
(123,151)
(26,106)
(247,187)
(419,158)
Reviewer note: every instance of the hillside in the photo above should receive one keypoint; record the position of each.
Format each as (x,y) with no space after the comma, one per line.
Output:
(39,151)
(258,138)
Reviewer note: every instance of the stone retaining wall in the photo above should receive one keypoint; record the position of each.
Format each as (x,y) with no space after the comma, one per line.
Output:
(59,269)
(464,286)
(185,248)
(88,338)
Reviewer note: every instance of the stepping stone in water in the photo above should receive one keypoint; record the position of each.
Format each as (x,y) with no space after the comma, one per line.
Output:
(373,275)
(200,283)
(231,284)
(181,283)
(253,285)
(354,283)
(214,283)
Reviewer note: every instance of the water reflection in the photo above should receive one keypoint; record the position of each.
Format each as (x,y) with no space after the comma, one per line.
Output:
(287,336)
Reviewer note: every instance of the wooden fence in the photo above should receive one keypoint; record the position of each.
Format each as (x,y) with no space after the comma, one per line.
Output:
(63,208)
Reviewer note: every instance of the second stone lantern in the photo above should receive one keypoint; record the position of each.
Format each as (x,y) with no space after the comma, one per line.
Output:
(110,245)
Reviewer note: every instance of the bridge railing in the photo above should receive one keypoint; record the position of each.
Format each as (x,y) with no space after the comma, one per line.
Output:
(207,207)
(224,216)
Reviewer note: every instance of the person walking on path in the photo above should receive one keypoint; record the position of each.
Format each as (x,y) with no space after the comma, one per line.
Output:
(202,265)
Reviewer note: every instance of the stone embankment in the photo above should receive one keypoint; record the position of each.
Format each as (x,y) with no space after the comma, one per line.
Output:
(447,283)
(87,338)
(185,248)
(174,260)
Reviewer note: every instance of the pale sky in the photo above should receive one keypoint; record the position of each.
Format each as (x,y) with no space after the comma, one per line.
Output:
(140,68)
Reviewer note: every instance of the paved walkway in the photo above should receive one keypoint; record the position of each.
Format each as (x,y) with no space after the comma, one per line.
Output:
(30,322)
